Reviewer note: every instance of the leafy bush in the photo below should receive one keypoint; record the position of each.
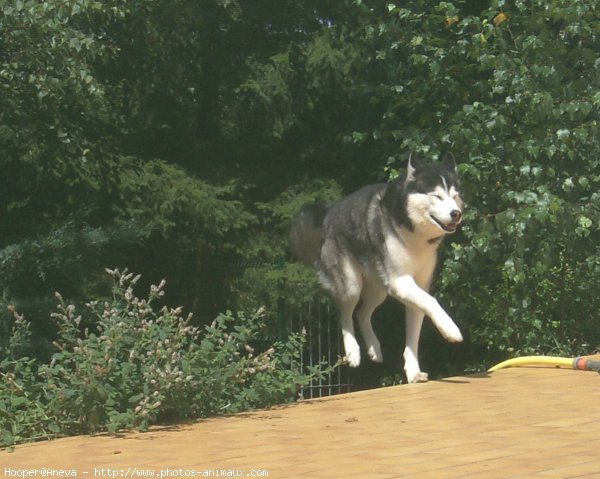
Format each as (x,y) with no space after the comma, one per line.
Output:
(512,89)
(135,366)
(23,413)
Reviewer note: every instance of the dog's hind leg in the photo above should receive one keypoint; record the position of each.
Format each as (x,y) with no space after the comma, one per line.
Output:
(372,296)
(351,346)
(344,281)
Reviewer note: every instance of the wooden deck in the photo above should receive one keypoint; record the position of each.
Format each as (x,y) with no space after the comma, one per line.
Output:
(520,422)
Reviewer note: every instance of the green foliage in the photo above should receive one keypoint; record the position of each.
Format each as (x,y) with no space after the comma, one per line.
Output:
(22,411)
(163,198)
(189,132)
(31,264)
(511,90)
(153,128)
(264,277)
(137,365)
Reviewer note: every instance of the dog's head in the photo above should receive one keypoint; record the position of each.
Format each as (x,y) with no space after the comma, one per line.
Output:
(433,200)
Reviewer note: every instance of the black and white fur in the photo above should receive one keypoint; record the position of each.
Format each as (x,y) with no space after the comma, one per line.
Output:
(382,240)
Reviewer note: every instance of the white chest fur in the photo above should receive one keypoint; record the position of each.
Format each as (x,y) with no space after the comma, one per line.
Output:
(409,254)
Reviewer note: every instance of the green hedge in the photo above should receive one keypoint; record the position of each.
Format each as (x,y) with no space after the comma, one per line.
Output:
(136,365)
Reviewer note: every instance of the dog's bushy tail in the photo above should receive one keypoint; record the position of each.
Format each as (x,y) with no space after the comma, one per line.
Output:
(306,233)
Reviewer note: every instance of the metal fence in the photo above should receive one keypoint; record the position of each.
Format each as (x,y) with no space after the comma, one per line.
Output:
(313,317)
(318,322)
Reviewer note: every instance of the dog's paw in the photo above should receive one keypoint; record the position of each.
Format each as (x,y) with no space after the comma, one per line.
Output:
(353,358)
(352,351)
(448,329)
(419,377)
(414,373)
(416,376)
(374,352)
(412,368)
(452,333)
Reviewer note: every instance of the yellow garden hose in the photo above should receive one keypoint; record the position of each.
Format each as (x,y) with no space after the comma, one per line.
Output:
(575,363)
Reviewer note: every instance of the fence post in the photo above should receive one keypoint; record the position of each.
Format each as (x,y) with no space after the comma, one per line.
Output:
(281,326)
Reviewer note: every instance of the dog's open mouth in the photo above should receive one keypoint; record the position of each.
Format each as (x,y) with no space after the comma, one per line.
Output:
(449,227)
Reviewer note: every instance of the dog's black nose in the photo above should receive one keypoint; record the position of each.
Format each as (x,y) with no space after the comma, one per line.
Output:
(455,215)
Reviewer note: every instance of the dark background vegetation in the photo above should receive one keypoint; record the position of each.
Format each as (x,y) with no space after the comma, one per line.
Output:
(177,137)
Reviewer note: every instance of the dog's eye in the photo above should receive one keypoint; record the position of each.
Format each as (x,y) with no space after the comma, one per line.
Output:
(439,197)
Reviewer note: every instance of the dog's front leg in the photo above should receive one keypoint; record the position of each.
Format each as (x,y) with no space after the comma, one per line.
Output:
(406,290)
(414,321)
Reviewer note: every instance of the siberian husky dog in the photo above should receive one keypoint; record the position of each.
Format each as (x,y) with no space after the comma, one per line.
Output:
(382,240)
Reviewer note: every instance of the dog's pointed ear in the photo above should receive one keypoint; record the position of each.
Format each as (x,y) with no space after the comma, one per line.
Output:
(413,163)
(448,162)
